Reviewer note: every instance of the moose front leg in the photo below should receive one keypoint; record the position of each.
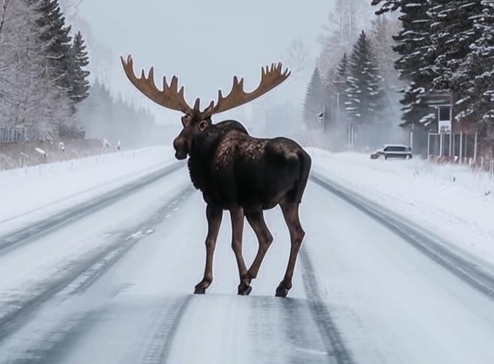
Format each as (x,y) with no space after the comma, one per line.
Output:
(237,216)
(214,215)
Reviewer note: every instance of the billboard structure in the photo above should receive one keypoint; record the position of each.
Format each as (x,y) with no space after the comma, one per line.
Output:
(444,119)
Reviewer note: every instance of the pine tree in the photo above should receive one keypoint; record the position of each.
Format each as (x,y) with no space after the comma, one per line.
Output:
(480,90)
(80,85)
(55,37)
(313,104)
(96,111)
(416,55)
(336,118)
(451,34)
(365,91)
(336,90)
(387,5)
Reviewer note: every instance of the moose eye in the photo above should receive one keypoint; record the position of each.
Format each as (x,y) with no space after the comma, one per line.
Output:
(203,125)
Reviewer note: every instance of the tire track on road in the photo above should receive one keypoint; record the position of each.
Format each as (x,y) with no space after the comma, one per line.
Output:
(332,338)
(41,228)
(158,348)
(76,276)
(156,340)
(424,241)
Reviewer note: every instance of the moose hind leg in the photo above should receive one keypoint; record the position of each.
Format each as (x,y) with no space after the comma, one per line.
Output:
(237,216)
(290,213)
(214,216)
(256,221)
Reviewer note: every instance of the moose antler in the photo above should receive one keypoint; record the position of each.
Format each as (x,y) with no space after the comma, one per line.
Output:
(170,97)
(270,78)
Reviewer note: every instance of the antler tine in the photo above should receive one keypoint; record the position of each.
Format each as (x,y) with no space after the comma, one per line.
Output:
(169,97)
(270,78)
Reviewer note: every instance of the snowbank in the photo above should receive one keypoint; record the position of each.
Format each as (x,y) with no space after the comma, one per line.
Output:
(450,200)
(32,192)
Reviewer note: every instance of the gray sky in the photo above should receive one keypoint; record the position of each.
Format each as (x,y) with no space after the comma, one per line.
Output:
(205,43)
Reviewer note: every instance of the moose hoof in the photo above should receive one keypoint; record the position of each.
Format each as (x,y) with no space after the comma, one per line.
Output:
(281,292)
(199,290)
(244,290)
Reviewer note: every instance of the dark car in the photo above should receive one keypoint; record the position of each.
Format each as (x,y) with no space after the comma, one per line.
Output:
(393,151)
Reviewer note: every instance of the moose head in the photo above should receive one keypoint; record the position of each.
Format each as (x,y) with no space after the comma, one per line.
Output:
(195,120)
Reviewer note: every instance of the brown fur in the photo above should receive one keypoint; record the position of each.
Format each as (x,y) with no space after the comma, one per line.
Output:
(245,175)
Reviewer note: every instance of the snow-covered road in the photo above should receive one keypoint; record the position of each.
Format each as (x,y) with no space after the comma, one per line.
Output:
(112,284)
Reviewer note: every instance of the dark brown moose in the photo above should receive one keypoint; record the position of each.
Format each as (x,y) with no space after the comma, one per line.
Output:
(235,171)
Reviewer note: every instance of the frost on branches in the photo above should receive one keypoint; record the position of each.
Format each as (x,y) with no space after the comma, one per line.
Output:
(34,91)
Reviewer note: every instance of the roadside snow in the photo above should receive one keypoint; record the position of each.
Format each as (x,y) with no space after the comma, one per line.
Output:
(451,201)
(34,192)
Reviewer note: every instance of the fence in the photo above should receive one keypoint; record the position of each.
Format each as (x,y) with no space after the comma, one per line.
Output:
(11,135)
(461,147)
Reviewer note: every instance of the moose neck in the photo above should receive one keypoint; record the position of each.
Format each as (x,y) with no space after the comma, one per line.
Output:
(201,154)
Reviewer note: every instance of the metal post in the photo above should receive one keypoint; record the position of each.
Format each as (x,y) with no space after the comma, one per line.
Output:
(440,145)
(351,135)
(475,148)
(451,153)
(461,146)
(450,145)
(428,145)
(337,109)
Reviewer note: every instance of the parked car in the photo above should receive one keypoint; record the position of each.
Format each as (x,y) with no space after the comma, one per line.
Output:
(392,151)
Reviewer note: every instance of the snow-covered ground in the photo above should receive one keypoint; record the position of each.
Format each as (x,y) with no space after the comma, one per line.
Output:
(114,285)
(451,201)
(34,192)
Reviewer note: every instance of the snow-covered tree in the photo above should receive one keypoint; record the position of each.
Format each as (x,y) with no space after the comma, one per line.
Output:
(313,104)
(416,55)
(104,116)
(336,118)
(28,94)
(364,92)
(342,30)
(452,32)
(298,56)
(383,28)
(480,65)
(336,92)
(96,111)
(387,5)
(55,36)
(80,85)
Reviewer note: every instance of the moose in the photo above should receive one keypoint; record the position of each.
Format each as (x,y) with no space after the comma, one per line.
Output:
(235,171)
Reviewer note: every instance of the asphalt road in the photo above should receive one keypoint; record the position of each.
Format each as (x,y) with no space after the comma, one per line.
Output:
(111,282)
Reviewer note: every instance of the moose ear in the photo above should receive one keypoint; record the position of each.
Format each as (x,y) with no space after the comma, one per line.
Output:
(185,120)
(203,125)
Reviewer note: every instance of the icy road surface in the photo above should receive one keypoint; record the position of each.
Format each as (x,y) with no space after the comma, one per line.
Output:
(112,284)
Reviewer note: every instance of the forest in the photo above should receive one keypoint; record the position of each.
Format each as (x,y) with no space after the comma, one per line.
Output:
(45,91)
(382,69)
(370,81)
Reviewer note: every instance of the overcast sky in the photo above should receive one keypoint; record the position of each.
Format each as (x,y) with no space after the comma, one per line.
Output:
(203,42)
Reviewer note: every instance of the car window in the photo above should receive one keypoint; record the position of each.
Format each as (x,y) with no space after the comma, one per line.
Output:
(395,149)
